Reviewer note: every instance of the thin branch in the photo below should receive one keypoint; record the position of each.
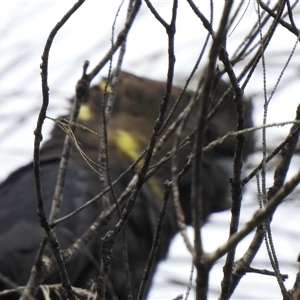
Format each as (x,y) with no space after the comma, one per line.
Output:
(289,27)
(155,243)
(31,289)
(279,178)
(257,219)
(120,39)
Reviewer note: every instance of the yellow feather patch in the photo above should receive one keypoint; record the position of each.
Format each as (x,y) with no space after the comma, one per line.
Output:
(128,145)
(102,85)
(85,113)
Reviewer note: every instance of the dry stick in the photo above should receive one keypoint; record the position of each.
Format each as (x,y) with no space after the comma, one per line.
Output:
(236,180)
(238,9)
(238,158)
(82,88)
(236,189)
(13,287)
(175,191)
(209,28)
(225,59)
(175,180)
(48,287)
(290,14)
(183,118)
(120,39)
(110,236)
(266,226)
(104,174)
(107,105)
(250,39)
(189,78)
(289,27)
(229,263)
(81,95)
(107,113)
(156,14)
(257,219)
(237,167)
(36,277)
(204,21)
(295,292)
(241,51)
(296,288)
(202,269)
(171,129)
(262,194)
(259,55)
(265,272)
(265,43)
(270,156)
(155,243)
(280,173)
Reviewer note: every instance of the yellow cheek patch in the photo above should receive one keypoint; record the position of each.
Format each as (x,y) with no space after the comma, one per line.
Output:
(85,113)
(128,145)
(102,85)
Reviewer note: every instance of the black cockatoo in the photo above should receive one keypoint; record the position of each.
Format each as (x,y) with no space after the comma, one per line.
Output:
(130,126)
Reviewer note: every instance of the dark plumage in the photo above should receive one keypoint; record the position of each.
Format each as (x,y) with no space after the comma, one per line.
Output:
(134,113)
